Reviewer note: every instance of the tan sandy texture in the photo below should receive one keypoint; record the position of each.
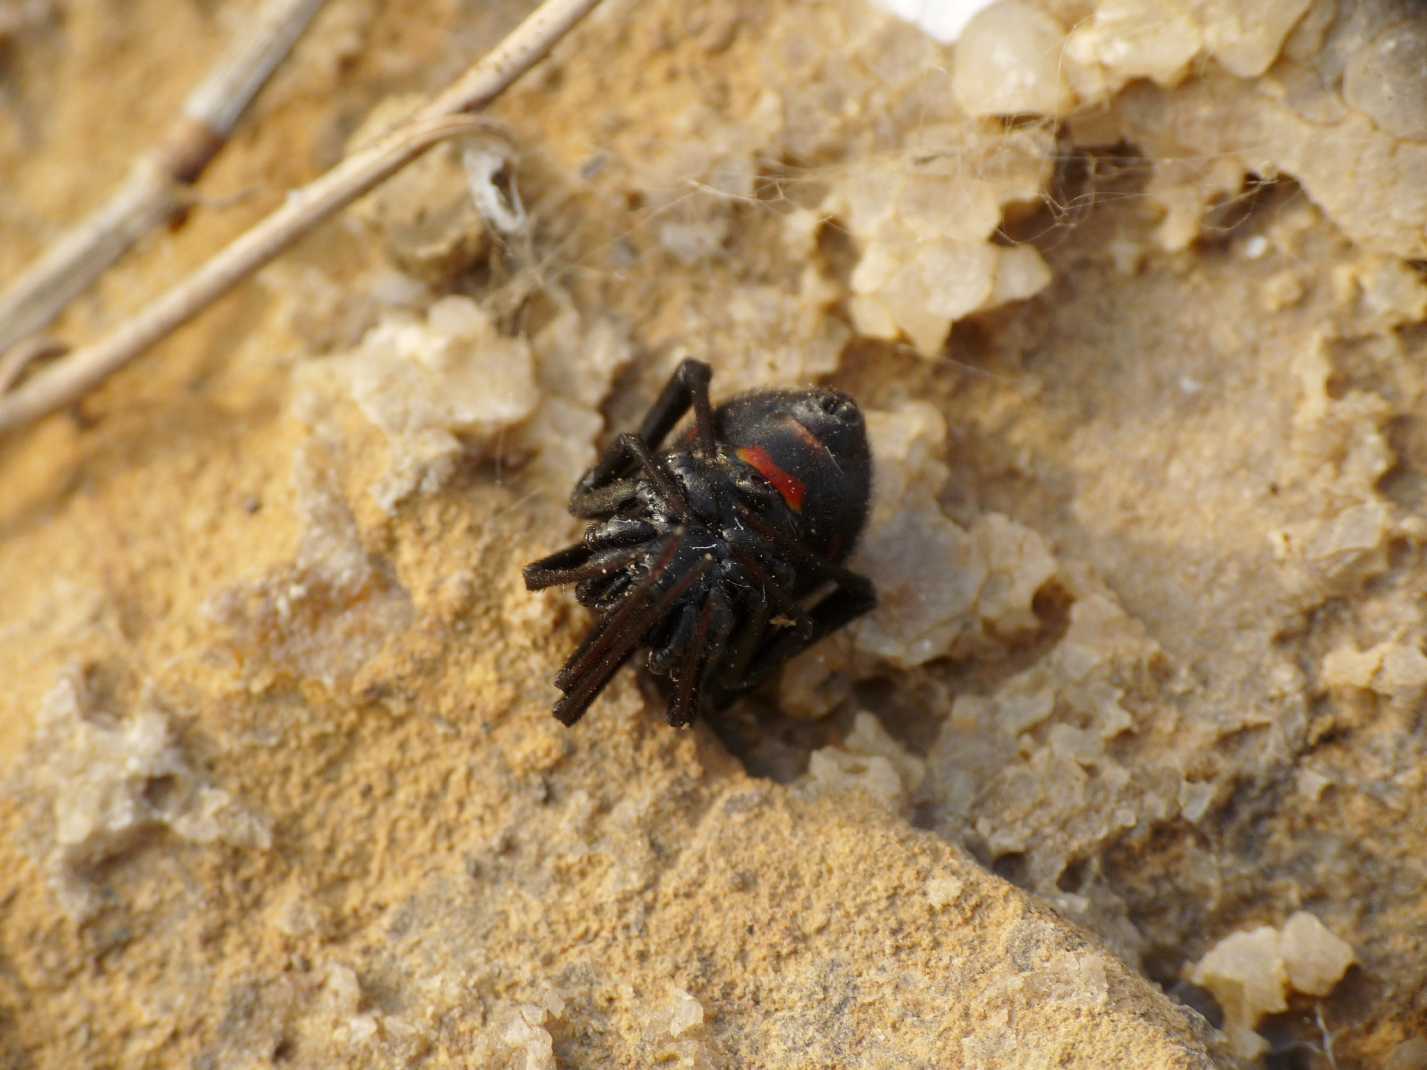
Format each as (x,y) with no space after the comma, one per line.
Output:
(278,784)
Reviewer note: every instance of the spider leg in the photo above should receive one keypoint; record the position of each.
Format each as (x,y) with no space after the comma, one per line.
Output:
(590,646)
(593,500)
(619,531)
(590,503)
(844,605)
(721,621)
(599,573)
(692,378)
(687,388)
(575,563)
(734,668)
(844,577)
(612,644)
(661,657)
(853,596)
(786,605)
(702,648)
(681,707)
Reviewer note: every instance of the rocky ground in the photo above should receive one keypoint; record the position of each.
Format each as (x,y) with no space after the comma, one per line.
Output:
(1126,769)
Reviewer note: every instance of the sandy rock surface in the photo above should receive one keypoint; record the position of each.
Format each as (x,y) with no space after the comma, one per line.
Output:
(1126,769)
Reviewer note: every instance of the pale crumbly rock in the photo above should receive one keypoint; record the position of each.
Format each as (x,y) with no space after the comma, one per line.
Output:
(1127,39)
(1245,971)
(1395,670)
(779,335)
(1160,39)
(351,1026)
(752,896)
(518,1039)
(694,184)
(1282,290)
(944,22)
(105,780)
(342,999)
(1061,760)
(927,572)
(1327,86)
(1341,446)
(919,185)
(1019,564)
(685,1013)
(328,316)
(870,760)
(439,388)
(923,219)
(511,1035)
(1252,972)
(1008,62)
(1293,120)
(1313,956)
(1246,39)
(1340,551)
(1385,292)
(1385,78)
(820,680)
(944,891)
(576,361)
(675,1035)
(928,576)
(448,387)
(942,590)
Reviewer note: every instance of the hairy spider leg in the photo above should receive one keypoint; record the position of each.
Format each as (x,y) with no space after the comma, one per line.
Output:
(721,620)
(590,559)
(680,711)
(620,531)
(793,548)
(547,571)
(575,563)
(687,387)
(604,592)
(786,605)
(602,588)
(854,596)
(661,658)
(701,651)
(840,608)
(592,645)
(599,503)
(595,501)
(734,669)
(619,641)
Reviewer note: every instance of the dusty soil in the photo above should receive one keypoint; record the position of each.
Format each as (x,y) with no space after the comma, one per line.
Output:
(1124,770)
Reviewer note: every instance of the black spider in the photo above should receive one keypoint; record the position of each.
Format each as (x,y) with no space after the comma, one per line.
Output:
(723,553)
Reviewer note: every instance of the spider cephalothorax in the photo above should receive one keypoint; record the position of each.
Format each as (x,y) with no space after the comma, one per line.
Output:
(722,553)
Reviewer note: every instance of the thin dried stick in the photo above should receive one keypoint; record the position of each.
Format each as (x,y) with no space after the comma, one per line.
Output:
(152,192)
(303,209)
(20,356)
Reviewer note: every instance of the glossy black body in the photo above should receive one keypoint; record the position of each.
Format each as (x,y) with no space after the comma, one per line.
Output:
(723,553)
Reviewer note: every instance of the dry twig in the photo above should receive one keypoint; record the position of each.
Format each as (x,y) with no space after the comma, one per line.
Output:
(20,356)
(305,208)
(153,191)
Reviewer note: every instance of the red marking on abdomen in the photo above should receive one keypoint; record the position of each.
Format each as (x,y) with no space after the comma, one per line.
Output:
(790,487)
